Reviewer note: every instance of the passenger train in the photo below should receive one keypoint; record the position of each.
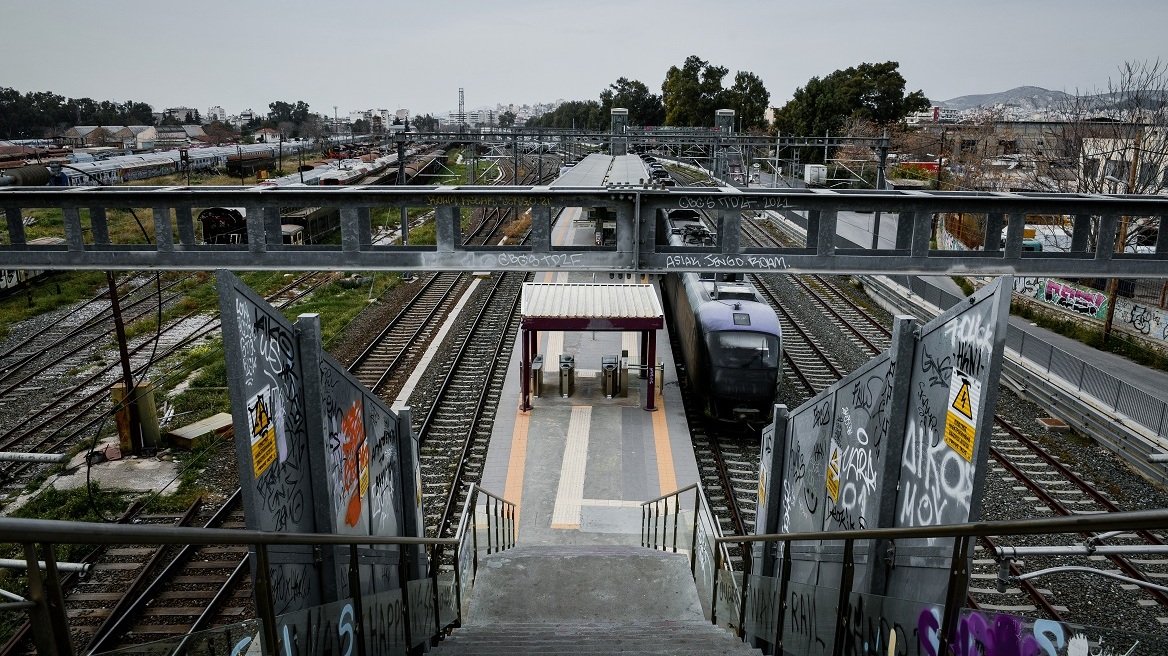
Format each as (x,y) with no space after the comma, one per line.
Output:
(124,168)
(312,225)
(730,338)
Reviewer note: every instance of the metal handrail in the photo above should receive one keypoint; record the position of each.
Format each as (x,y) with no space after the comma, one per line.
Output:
(962,534)
(46,606)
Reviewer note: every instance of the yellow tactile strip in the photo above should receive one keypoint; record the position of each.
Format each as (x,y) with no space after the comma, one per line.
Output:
(513,491)
(666,474)
(570,493)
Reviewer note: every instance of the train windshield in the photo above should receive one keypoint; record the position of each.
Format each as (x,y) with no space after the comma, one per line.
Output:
(743,349)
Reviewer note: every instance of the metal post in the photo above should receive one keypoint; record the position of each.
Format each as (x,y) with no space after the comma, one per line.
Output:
(474,524)
(458,583)
(265,607)
(355,594)
(656,525)
(676,515)
(488,516)
(845,593)
(746,564)
(693,539)
(404,575)
(434,584)
(956,590)
(50,626)
(714,592)
(784,582)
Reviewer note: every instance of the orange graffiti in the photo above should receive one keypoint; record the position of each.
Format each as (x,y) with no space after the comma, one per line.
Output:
(356,459)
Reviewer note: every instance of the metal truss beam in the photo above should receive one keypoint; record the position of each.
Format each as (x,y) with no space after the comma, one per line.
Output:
(1095,225)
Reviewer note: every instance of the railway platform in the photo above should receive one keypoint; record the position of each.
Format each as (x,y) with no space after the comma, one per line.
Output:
(579,467)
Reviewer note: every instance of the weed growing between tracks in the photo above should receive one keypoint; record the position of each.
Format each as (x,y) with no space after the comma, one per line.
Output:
(48,294)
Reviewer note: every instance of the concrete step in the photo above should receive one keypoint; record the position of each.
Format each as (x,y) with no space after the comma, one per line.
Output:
(659,637)
(574,583)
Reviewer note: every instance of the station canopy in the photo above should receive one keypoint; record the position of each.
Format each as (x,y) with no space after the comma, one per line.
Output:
(590,306)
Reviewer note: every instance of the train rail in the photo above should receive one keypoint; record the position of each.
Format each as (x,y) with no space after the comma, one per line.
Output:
(1035,480)
(66,418)
(135,594)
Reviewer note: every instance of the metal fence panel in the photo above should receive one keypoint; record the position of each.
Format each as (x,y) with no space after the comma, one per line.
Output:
(1100,385)
(1139,405)
(1067,367)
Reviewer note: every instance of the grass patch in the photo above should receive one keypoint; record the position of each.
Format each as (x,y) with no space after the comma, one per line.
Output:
(340,301)
(58,290)
(967,287)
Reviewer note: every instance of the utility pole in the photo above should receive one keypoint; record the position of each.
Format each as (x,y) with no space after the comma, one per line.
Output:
(880,172)
(130,399)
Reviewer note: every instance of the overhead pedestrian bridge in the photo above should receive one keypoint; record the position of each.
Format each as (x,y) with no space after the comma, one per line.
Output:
(1095,225)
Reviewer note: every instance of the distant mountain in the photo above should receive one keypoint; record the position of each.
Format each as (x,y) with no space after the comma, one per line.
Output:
(1027,99)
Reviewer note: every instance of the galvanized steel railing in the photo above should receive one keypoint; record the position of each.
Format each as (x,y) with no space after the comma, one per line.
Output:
(484,513)
(174,244)
(775,604)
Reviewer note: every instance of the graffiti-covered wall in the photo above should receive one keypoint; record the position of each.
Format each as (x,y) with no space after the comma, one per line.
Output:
(1130,316)
(901,442)
(265,370)
(1136,318)
(318,453)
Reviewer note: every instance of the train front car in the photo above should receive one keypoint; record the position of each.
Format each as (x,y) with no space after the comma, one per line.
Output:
(742,348)
(729,337)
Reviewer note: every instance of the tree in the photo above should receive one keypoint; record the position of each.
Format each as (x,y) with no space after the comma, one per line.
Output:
(579,114)
(750,99)
(644,107)
(868,91)
(692,93)
(425,123)
(219,132)
(507,119)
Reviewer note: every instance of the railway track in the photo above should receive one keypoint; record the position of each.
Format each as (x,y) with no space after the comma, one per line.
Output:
(63,419)
(135,594)
(453,414)
(1021,467)
(455,419)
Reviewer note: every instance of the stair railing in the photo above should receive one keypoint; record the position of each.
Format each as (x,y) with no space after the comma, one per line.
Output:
(421,610)
(667,526)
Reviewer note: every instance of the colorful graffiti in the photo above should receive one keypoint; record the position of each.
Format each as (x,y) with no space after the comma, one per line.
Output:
(1081,301)
(1151,322)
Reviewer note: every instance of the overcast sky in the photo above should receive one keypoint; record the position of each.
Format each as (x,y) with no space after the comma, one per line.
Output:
(416,54)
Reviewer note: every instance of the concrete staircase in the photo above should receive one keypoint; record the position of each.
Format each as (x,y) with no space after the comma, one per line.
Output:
(587,600)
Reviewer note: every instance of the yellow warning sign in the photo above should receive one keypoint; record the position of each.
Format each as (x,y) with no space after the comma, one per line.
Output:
(263,432)
(960,423)
(833,472)
(962,403)
(959,435)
